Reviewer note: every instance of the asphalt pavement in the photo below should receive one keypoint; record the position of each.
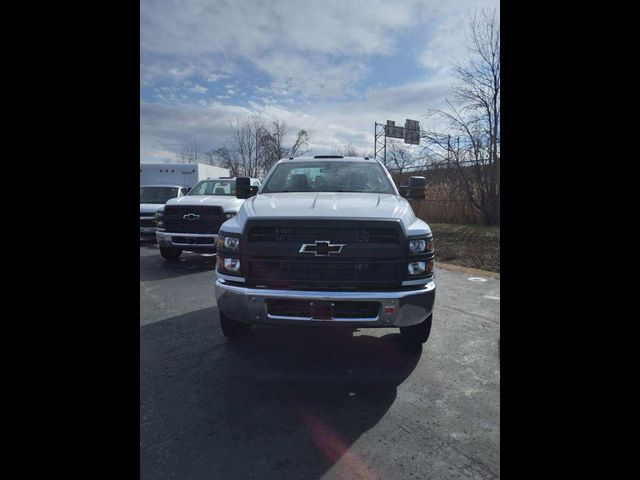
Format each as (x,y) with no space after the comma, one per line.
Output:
(314,403)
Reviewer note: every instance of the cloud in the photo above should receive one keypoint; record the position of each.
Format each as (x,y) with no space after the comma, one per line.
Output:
(166,127)
(328,67)
(305,45)
(247,27)
(198,89)
(214,77)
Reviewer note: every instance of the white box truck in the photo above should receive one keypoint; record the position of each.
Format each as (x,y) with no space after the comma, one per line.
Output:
(182,174)
(160,182)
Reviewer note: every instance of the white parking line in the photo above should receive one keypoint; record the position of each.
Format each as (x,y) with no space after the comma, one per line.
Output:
(477,279)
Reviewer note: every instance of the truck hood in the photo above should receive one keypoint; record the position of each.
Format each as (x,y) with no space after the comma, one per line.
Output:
(328,205)
(347,205)
(150,207)
(229,204)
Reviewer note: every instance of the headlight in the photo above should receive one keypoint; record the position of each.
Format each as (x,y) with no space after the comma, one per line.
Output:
(228,243)
(160,219)
(228,215)
(420,245)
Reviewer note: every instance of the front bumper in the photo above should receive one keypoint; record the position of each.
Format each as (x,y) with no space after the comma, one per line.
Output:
(187,241)
(147,231)
(147,226)
(248,305)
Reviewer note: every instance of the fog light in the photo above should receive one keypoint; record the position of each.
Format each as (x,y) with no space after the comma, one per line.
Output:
(417,268)
(231,264)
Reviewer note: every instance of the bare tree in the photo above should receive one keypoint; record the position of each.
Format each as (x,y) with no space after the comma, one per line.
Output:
(349,150)
(300,145)
(228,159)
(472,145)
(189,153)
(254,147)
(275,148)
(400,157)
(212,158)
(246,147)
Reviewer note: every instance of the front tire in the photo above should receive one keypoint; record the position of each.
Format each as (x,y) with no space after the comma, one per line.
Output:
(418,334)
(232,329)
(170,254)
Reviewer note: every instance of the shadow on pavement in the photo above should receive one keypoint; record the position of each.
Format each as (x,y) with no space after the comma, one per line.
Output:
(285,403)
(153,267)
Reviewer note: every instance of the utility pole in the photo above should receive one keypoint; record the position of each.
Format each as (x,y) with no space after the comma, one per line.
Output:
(380,142)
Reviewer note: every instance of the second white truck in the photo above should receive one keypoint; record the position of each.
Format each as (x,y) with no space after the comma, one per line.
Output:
(160,182)
(192,222)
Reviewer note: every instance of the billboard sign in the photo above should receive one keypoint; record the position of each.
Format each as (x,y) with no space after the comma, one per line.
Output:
(393,131)
(412,132)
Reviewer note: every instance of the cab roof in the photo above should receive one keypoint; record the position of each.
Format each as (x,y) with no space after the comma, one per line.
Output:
(165,185)
(328,157)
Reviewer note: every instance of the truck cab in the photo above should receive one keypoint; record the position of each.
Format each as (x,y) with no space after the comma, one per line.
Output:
(326,241)
(191,222)
(151,198)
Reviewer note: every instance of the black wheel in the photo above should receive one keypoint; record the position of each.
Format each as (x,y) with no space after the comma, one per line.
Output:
(233,329)
(170,253)
(417,334)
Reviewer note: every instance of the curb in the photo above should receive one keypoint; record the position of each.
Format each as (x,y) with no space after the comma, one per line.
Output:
(458,268)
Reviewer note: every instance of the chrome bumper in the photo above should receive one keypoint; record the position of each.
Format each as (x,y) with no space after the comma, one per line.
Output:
(181,240)
(397,309)
(147,230)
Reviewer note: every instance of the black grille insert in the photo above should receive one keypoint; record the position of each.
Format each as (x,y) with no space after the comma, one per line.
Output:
(193,219)
(322,310)
(308,233)
(373,256)
(351,274)
(193,240)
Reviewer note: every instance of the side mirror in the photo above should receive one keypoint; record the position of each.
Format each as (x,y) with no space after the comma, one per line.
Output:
(244,189)
(418,188)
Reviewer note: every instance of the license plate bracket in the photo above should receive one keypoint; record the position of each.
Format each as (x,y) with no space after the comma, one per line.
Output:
(321,310)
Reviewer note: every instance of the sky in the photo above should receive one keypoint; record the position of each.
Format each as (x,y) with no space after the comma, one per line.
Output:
(332,68)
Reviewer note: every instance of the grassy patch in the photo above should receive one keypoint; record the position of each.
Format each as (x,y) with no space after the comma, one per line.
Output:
(474,246)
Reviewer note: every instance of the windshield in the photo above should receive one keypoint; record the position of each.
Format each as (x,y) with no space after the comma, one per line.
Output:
(340,176)
(157,194)
(214,187)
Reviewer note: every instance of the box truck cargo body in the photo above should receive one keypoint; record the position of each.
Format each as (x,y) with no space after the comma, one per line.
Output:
(183,174)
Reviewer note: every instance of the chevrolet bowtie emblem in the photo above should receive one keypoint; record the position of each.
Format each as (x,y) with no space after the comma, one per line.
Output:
(321,248)
(191,216)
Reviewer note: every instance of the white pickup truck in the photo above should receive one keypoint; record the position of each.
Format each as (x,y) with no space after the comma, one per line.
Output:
(191,222)
(326,241)
(153,197)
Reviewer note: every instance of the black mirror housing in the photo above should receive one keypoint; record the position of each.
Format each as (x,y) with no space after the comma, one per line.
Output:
(418,188)
(244,189)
